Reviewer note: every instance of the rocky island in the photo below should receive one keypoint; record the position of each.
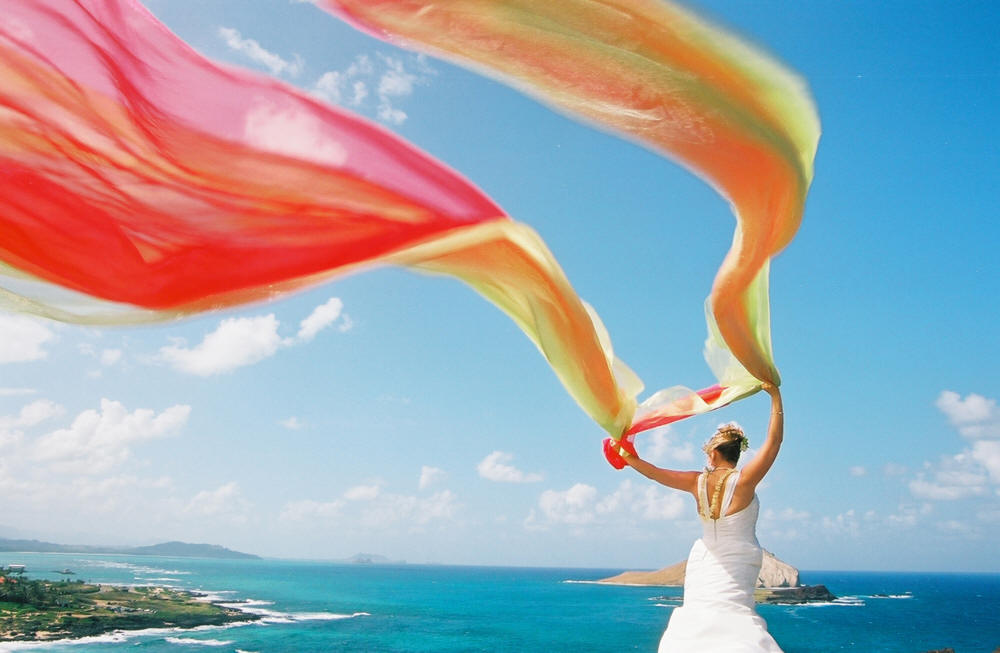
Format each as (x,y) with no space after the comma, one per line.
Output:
(778,582)
(37,610)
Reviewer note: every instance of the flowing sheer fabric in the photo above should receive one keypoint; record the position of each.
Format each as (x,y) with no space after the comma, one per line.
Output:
(140,181)
(653,72)
(718,614)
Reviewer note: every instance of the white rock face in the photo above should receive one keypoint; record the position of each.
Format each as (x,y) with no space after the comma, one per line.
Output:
(775,573)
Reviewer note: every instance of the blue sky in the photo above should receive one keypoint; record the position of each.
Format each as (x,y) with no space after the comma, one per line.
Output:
(398,414)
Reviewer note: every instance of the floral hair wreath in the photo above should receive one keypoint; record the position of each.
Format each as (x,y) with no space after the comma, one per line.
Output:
(728,432)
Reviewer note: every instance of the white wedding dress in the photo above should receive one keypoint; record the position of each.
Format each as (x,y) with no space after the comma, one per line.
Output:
(718,614)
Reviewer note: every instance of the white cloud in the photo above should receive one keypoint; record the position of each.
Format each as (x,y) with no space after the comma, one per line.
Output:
(391,78)
(909,515)
(393,509)
(370,508)
(236,342)
(292,132)
(274,63)
(362,493)
(107,357)
(225,502)
(971,472)
(242,341)
(396,82)
(575,506)
(845,523)
(987,454)
(22,338)
(333,85)
(581,506)
(429,476)
(786,514)
(110,356)
(953,477)
(975,416)
(34,413)
(494,467)
(923,489)
(858,470)
(894,469)
(649,502)
(292,423)
(359,92)
(96,441)
(309,510)
(84,498)
(322,317)
(661,448)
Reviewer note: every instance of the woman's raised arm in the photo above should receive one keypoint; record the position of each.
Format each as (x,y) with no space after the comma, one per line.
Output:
(755,470)
(686,481)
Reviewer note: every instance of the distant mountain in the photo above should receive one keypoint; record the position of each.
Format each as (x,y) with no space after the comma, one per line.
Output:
(176,549)
(186,550)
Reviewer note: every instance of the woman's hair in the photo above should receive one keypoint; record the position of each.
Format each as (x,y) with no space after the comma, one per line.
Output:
(729,441)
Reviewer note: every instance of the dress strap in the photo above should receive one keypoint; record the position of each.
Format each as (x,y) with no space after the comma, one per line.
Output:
(703,505)
(733,478)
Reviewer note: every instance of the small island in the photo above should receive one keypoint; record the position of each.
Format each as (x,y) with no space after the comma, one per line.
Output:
(38,610)
(778,582)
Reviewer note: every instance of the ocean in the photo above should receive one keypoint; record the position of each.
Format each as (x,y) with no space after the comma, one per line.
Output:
(316,606)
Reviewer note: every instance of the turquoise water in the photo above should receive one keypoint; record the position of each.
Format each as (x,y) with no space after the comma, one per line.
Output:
(310,606)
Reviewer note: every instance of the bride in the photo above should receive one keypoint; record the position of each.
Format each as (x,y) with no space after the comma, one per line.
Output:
(718,613)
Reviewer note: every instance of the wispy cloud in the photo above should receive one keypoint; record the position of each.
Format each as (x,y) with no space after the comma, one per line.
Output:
(322,317)
(581,506)
(305,510)
(663,448)
(34,413)
(371,508)
(429,476)
(362,493)
(242,341)
(22,338)
(494,467)
(225,502)
(274,63)
(292,423)
(383,80)
(974,471)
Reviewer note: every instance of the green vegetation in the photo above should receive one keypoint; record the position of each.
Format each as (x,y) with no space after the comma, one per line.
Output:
(40,610)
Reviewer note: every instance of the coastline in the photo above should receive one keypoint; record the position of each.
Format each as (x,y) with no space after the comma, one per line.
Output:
(84,610)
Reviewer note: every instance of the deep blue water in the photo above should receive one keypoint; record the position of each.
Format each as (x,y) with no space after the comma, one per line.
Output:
(311,606)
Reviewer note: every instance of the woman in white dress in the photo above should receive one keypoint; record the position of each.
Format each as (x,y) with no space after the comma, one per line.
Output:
(718,614)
